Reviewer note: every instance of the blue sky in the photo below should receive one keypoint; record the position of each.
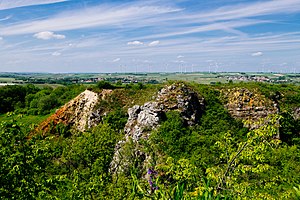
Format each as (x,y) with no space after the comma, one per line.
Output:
(149,35)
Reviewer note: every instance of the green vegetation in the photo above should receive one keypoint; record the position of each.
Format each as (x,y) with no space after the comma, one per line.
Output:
(33,100)
(216,159)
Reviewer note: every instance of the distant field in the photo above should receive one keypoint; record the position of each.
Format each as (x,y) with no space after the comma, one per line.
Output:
(48,85)
(198,77)
(203,78)
(6,80)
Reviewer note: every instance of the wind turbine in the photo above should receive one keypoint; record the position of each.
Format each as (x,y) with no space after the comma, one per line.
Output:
(166,67)
(216,67)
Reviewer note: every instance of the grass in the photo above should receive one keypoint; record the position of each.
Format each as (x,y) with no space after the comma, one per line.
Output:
(6,80)
(27,120)
(48,85)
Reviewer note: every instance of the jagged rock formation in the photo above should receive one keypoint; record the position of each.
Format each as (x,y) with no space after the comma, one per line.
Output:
(143,119)
(80,113)
(174,97)
(247,105)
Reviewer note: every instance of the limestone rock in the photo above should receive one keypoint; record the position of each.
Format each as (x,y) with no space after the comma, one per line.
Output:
(296,113)
(143,119)
(79,113)
(148,116)
(248,105)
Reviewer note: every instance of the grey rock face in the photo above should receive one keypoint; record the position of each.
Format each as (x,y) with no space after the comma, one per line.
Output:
(181,98)
(94,118)
(297,113)
(143,119)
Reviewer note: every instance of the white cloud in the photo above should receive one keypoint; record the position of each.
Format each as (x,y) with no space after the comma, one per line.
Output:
(259,53)
(129,15)
(224,26)
(5,18)
(1,38)
(56,53)
(179,61)
(127,28)
(144,14)
(154,43)
(116,60)
(135,43)
(243,10)
(47,35)
(8,4)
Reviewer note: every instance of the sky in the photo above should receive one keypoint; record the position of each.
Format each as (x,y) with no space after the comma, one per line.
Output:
(108,36)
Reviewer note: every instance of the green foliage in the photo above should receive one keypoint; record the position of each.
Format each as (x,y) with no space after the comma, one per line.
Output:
(13,97)
(23,162)
(297,192)
(178,192)
(104,85)
(32,100)
(172,136)
(248,159)
(117,119)
(84,163)
(216,159)
(289,128)
(63,130)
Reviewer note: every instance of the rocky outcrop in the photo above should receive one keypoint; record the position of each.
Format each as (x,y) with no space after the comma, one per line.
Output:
(143,119)
(180,97)
(80,113)
(296,113)
(147,117)
(248,105)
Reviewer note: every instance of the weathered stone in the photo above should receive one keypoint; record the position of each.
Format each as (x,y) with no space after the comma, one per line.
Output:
(296,113)
(78,113)
(133,112)
(143,119)
(247,105)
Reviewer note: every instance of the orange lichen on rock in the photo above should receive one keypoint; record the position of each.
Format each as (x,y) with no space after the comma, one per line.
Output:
(78,113)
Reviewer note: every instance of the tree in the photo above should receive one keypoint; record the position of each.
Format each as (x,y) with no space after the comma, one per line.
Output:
(246,169)
(22,162)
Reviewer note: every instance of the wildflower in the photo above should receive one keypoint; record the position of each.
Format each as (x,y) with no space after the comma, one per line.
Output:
(151,173)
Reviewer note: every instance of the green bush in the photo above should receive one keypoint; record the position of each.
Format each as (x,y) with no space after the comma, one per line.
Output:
(104,85)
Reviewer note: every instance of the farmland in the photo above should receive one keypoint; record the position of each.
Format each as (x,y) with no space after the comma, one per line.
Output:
(54,80)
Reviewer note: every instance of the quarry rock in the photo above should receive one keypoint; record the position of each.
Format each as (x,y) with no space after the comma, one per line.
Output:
(147,117)
(248,105)
(79,113)
(143,119)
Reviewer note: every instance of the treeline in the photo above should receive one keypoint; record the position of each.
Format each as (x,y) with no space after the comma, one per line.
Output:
(29,99)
